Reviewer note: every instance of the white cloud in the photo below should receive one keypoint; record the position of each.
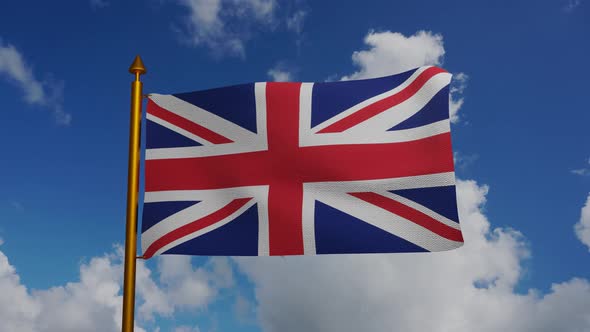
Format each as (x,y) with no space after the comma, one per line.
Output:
(186,287)
(584,171)
(91,304)
(208,22)
(279,75)
(17,206)
(581,171)
(17,309)
(582,228)
(295,21)
(97,4)
(47,94)
(463,161)
(222,272)
(244,310)
(261,9)
(468,289)
(458,85)
(155,299)
(391,53)
(94,302)
(13,66)
(186,329)
(571,5)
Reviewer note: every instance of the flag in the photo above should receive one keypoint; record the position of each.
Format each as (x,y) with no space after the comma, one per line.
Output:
(291,168)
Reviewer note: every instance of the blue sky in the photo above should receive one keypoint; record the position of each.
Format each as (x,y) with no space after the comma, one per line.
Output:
(521,140)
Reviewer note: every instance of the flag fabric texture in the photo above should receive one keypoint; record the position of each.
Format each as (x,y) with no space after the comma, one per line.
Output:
(290,168)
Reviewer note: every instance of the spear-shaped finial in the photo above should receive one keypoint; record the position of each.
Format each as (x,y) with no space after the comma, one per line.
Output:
(137,66)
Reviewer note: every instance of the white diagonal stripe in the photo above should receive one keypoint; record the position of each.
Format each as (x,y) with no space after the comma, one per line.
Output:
(177,129)
(404,110)
(181,218)
(244,140)
(388,222)
(202,117)
(370,101)
(204,151)
(418,207)
(377,137)
(200,232)
(200,195)
(408,182)
(218,197)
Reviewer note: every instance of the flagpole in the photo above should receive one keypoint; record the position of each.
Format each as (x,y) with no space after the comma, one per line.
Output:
(137,68)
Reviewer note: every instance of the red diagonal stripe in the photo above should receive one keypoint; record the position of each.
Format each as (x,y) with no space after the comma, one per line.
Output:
(382,105)
(195,226)
(191,127)
(411,214)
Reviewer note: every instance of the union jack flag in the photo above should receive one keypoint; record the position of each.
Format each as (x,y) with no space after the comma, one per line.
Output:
(360,166)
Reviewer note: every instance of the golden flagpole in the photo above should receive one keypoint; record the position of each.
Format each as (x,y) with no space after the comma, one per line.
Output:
(137,68)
